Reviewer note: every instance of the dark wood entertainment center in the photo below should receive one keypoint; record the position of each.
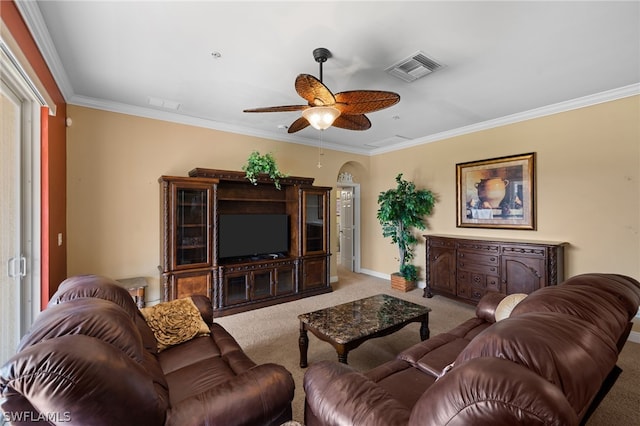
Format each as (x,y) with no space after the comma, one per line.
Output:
(191,208)
(465,268)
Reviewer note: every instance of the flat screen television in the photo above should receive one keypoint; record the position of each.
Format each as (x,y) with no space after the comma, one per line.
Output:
(252,235)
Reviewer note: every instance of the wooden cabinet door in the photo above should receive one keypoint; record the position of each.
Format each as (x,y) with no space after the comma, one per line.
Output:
(184,284)
(442,270)
(314,226)
(522,274)
(186,223)
(236,288)
(314,273)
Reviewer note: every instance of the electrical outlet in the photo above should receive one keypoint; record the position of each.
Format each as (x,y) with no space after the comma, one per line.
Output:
(59,239)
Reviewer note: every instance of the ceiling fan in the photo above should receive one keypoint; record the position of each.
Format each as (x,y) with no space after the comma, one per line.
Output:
(345,110)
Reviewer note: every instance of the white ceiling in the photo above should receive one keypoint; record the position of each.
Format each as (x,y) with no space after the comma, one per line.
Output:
(503,61)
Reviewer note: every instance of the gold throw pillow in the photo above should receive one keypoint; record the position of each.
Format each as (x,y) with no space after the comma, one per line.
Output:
(175,322)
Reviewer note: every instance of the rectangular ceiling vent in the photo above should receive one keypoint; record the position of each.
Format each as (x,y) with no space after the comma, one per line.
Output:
(414,67)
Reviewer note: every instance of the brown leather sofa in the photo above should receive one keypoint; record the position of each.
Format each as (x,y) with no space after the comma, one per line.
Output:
(549,363)
(91,359)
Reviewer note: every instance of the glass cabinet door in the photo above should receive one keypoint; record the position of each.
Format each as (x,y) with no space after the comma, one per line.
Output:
(314,229)
(192,226)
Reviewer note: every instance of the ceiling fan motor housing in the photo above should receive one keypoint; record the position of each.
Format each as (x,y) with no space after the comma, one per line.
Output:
(321,54)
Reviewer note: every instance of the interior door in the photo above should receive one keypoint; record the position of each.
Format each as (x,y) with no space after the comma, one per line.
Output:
(347,258)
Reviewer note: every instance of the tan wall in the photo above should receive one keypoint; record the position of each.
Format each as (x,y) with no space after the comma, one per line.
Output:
(588,191)
(114,162)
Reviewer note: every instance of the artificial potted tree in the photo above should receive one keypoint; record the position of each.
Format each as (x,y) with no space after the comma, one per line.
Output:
(401,210)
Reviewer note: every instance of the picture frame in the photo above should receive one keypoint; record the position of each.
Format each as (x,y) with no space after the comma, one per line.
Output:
(497,193)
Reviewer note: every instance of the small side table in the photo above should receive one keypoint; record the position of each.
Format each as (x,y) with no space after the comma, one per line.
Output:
(136,288)
(138,295)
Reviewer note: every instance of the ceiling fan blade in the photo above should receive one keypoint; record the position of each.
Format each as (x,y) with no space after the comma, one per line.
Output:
(352,122)
(283,108)
(364,101)
(312,89)
(298,125)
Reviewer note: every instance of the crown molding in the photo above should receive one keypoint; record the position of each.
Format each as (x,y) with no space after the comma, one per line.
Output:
(35,22)
(585,101)
(204,123)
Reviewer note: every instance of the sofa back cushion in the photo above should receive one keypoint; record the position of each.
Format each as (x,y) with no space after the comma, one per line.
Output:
(80,380)
(570,353)
(606,306)
(97,318)
(100,287)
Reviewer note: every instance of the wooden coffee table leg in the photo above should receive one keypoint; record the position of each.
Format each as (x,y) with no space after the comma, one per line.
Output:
(342,354)
(424,327)
(303,343)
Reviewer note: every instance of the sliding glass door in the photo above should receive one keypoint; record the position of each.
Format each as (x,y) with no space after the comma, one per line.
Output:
(19,205)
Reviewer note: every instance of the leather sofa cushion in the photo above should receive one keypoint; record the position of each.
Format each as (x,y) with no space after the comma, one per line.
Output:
(61,375)
(99,287)
(220,344)
(568,352)
(433,355)
(97,318)
(94,286)
(197,377)
(595,305)
(625,289)
(470,328)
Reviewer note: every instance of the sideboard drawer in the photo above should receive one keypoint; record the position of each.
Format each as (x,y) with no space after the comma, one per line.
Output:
(481,258)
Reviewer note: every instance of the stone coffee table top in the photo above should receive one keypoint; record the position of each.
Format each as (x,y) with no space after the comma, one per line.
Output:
(348,325)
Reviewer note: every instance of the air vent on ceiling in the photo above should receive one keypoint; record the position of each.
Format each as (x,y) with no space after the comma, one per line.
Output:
(414,67)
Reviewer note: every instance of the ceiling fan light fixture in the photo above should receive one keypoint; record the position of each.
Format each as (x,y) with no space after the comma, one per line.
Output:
(321,117)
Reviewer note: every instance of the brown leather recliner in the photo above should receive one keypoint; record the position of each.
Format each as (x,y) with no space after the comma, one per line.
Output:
(90,358)
(549,363)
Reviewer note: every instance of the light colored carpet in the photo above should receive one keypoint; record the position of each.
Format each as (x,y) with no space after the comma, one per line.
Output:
(271,335)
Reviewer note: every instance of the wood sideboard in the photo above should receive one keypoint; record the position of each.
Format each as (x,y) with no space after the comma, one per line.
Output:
(465,268)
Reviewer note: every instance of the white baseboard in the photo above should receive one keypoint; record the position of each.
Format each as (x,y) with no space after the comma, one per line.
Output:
(634,337)
(374,273)
(421,284)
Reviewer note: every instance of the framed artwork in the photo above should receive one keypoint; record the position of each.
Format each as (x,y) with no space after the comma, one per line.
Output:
(497,193)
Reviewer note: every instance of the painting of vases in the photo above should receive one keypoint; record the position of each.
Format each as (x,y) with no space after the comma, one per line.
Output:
(496,192)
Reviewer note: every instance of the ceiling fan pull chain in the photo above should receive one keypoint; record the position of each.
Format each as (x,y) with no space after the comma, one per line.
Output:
(320,152)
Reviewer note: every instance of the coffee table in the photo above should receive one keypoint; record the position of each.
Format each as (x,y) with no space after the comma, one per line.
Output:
(348,325)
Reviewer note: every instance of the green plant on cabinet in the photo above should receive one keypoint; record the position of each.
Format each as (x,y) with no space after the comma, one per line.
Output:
(262,164)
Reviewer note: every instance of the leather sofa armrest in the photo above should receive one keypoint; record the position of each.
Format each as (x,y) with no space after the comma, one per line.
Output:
(257,396)
(491,390)
(486,308)
(339,395)
(204,305)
